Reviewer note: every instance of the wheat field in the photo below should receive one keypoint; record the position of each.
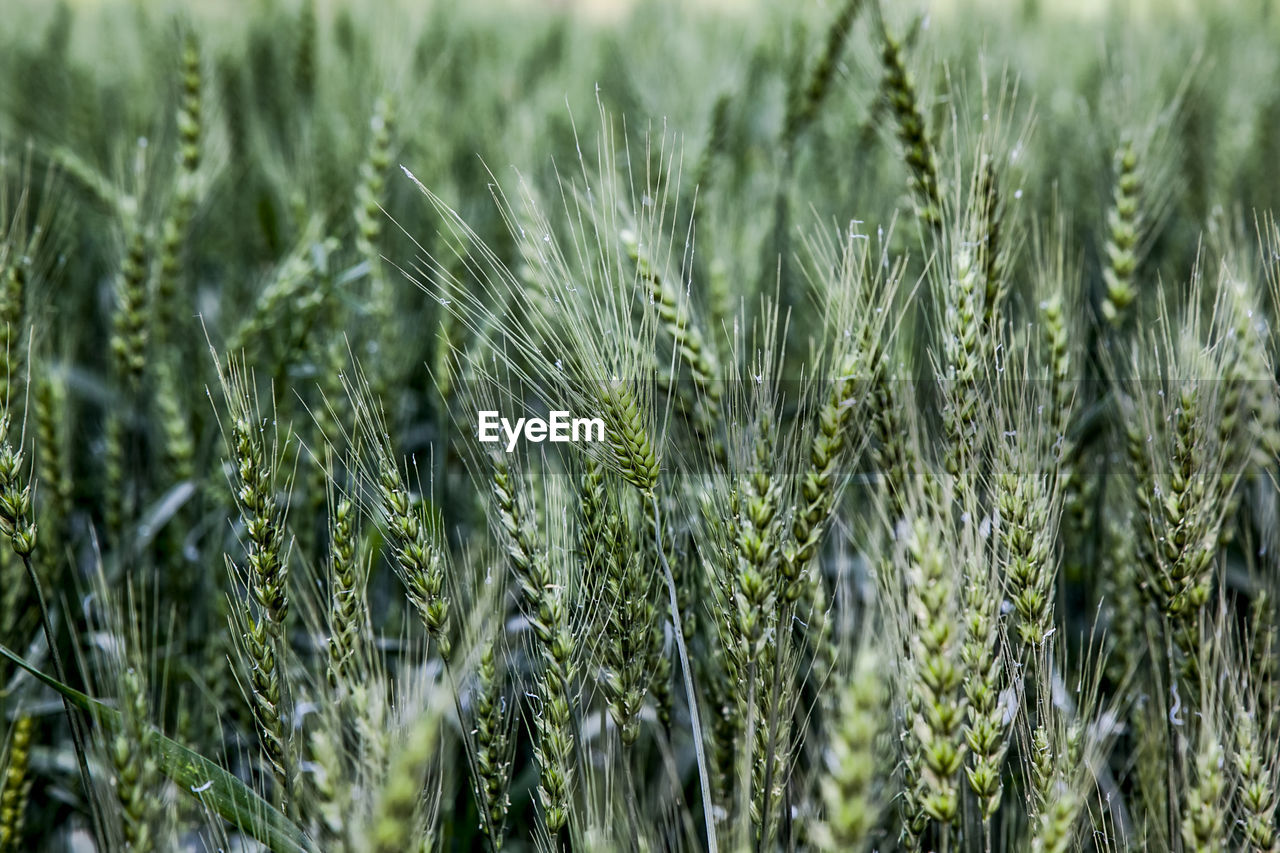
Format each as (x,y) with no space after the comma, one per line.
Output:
(832,426)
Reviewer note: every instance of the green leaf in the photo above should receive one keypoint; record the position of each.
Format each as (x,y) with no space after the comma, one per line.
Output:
(203,779)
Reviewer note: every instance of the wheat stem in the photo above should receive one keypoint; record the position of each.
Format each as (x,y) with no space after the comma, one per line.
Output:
(704,778)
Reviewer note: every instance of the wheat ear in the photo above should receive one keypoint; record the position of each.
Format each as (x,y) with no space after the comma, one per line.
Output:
(918,150)
(548,619)
(1123,222)
(263,514)
(848,788)
(493,746)
(15,788)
